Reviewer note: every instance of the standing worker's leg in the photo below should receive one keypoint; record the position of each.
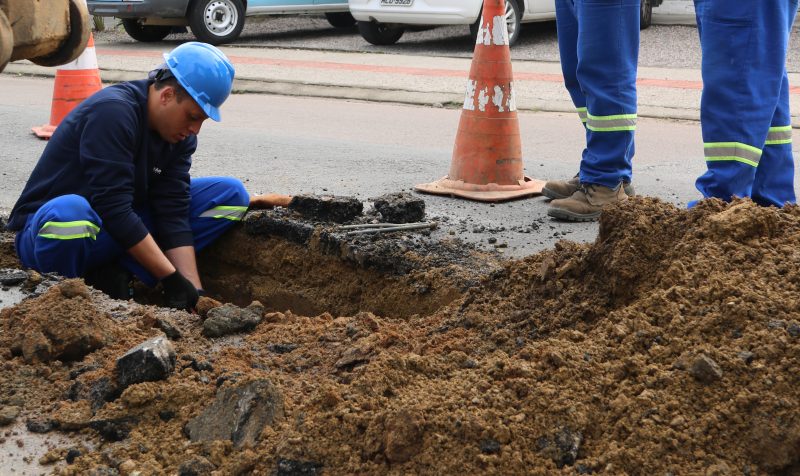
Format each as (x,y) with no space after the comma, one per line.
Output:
(744,52)
(60,237)
(567,24)
(607,56)
(774,180)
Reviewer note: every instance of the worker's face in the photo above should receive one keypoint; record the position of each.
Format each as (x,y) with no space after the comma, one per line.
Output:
(178,119)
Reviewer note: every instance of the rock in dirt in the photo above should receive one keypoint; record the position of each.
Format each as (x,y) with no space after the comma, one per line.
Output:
(400,207)
(196,466)
(238,413)
(39,425)
(113,429)
(747,357)
(12,277)
(97,391)
(230,319)
(169,327)
(205,304)
(403,437)
(149,361)
(290,467)
(8,415)
(562,447)
(705,369)
(490,446)
(74,288)
(327,208)
(72,453)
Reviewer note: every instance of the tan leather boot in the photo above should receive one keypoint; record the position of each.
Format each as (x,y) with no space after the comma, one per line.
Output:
(555,189)
(586,203)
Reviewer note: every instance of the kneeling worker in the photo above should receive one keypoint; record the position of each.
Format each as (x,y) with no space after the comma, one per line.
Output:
(111,193)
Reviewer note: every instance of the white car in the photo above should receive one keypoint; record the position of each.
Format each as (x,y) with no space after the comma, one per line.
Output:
(382,22)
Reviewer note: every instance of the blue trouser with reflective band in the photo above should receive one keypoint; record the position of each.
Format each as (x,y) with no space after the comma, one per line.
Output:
(599,45)
(744,110)
(66,236)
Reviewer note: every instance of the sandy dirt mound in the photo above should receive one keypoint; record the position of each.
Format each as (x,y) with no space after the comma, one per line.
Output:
(670,345)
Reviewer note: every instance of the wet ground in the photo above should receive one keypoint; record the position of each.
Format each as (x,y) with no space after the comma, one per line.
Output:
(669,345)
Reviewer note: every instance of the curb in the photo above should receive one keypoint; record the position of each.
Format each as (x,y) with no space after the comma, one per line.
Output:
(244,85)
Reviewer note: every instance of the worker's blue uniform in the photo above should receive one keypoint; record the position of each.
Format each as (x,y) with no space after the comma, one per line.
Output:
(599,45)
(106,180)
(744,110)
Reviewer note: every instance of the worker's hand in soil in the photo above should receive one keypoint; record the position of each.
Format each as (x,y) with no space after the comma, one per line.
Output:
(269,200)
(179,292)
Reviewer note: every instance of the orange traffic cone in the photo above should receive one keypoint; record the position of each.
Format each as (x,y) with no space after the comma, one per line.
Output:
(75,82)
(487,158)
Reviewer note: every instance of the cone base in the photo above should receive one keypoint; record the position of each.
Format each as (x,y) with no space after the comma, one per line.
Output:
(44,132)
(483,193)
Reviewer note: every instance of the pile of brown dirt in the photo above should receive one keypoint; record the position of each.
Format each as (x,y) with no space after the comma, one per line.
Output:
(670,345)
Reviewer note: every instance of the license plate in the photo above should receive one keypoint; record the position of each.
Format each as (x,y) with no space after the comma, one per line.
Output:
(397,3)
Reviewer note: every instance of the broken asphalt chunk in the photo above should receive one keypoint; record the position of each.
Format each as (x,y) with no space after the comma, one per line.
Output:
(149,361)
(12,277)
(230,319)
(400,207)
(238,413)
(327,208)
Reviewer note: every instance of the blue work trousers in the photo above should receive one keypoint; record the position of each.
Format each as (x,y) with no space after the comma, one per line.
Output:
(599,45)
(66,235)
(744,110)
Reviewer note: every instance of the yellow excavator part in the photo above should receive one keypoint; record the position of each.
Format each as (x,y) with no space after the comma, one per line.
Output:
(46,32)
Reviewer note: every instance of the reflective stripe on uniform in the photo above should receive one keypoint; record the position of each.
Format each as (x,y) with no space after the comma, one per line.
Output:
(619,122)
(582,113)
(69,230)
(227,212)
(779,135)
(732,151)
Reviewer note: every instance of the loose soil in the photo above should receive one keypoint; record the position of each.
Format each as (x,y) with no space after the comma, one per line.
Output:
(668,346)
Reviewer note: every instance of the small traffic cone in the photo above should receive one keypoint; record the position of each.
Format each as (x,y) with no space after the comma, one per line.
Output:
(487,158)
(75,82)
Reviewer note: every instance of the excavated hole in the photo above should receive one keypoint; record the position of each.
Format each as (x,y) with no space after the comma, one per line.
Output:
(308,279)
(312,268)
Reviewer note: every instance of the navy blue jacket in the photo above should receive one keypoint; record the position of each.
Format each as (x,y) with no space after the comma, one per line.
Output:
(105,151)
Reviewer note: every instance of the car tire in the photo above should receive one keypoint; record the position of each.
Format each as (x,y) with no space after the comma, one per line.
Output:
(145,33)
(513,22)
(340,19)
(217,21)
(645,14)
(380,34)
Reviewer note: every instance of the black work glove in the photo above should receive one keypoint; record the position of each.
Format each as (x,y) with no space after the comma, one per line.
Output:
(179,292)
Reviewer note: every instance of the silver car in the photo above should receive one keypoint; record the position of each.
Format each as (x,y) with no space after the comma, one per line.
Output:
(211,21)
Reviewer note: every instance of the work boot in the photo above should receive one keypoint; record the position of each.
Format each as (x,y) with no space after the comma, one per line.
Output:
(555,189)
(112,279)
(586,203)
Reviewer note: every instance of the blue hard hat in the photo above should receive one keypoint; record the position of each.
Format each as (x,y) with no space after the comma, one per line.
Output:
(204,72)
